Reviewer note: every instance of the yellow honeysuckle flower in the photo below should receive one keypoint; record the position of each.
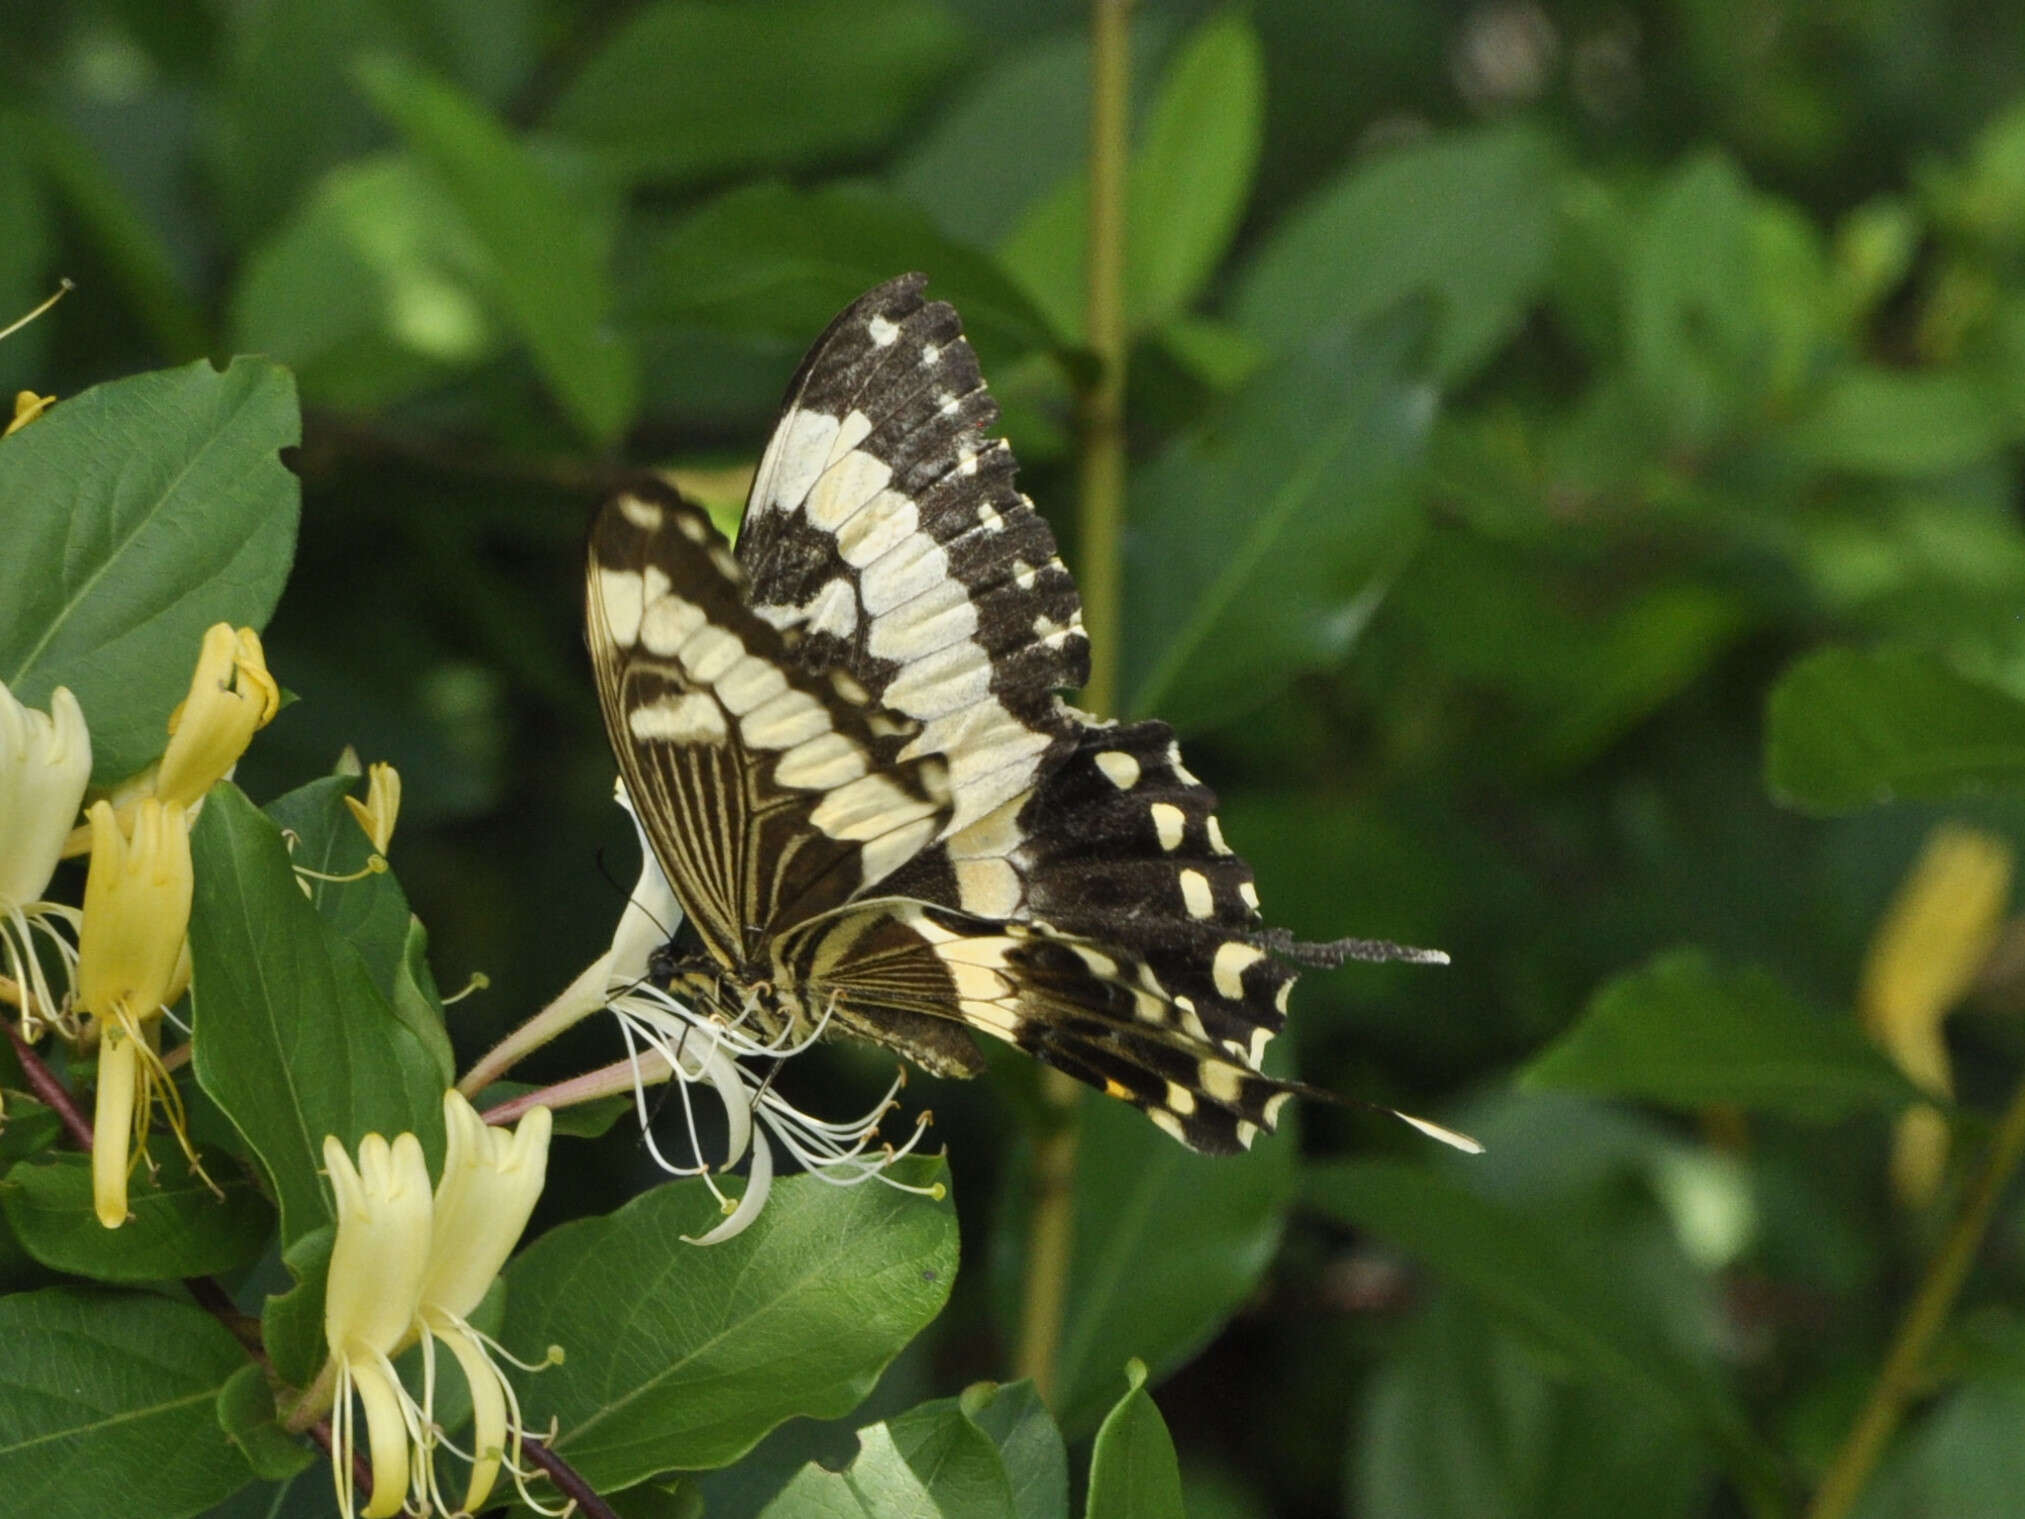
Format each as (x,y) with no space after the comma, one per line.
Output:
(27,407)
(1934,938)
(382,806)
(491,1181)
(131,946)
(45,764)
(377,1265)
(409,1264)
(231,697)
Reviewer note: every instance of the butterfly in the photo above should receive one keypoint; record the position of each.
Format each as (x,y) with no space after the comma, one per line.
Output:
(846,744)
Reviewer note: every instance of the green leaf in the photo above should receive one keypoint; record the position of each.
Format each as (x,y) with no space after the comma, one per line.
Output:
(1190,178)
(29,1127)
(682,1356)
(1534,1282)
(372,291)
(108,1405)
(177,1226)
(545,252)
(1036,1463)
(1167,1244)
(1133,1471)
(1680,1031)
(780,261)
(687,90)
(878,1485)
(1880,422)
(1693,327)
(1467,217)
(1263,539)
(246,1414)
(1846,729)
(370,913)
(1461,1421)
(292,1039)
(956,1460)
(139,513)
(291,1322)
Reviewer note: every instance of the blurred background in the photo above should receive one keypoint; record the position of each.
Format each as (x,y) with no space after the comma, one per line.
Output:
(1555,430)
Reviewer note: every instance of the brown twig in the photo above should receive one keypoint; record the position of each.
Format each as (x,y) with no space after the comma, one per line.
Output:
(567,1480)
(51,1092)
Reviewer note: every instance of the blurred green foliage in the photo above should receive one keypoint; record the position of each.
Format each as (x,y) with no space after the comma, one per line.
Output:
(1575,520)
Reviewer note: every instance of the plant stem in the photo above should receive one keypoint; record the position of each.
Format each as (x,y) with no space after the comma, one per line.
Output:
(51,1092)
(1100,511)
(1899,1378)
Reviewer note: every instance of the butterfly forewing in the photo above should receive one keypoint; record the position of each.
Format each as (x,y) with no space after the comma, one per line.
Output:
(769,792)
(884,524)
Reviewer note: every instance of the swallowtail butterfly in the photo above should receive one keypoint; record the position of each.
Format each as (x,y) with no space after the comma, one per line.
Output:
(846,745)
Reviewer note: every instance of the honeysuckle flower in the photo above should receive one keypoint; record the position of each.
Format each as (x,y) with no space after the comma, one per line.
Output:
(45,764)
(491,1180)
(377,813)
(27,407)
(699,1049)
(410,1263)
(231,697)
(1923,959)
(378,1263)
(130,960)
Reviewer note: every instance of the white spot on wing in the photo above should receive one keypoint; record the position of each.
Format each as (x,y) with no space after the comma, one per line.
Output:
(688,718)
(845,486)
(820,764)
(1169,824)
(1119,768)
(620,596)
(1232,961)
(787,719)
(882,331)
(1195,894)
(644,515)
(667,624)
(708,652)
(988,887)
(794,457)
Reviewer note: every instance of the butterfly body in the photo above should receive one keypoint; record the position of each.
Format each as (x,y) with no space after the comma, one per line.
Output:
(847,745)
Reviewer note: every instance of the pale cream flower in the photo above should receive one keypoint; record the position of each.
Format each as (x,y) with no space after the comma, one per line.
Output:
(377,813)
(45,765)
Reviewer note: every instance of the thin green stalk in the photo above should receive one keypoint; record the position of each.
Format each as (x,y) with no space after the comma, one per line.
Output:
(1101,511)
(1901,1376)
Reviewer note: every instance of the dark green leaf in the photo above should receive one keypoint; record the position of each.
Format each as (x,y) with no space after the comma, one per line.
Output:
(1846,730)
(108,1405)
(1468,217)
(1133,1472)
(1532,1281)
(177,1226)
(1463,1422)
(139,513)
(246,1414)
(292,1038)
(682,1356)
(684,89)
(1168,1243)
(1262,540)
(780,261)
(546,254)
(369,913)
(291,1322)
(1681,1032)
(29,1127)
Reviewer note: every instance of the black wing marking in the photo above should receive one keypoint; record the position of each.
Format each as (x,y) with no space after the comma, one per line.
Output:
(884,524)
(1088,1008)
(1119,844)
(770,792)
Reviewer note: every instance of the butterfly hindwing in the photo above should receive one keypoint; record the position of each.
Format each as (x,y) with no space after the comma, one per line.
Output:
(769,792)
